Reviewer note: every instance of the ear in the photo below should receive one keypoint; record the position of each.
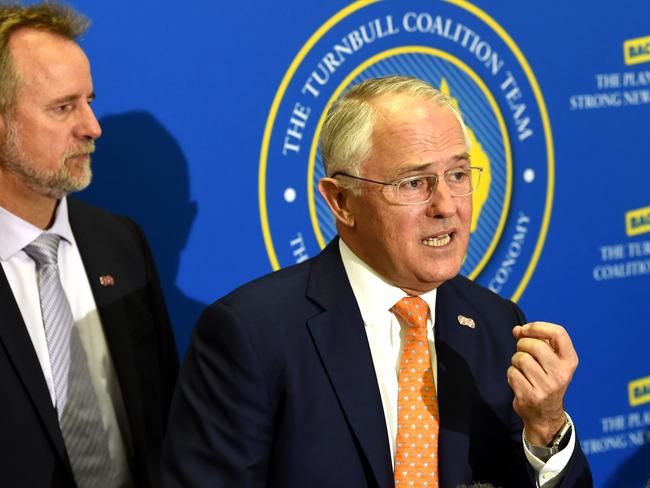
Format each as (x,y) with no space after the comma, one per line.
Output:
(338,199)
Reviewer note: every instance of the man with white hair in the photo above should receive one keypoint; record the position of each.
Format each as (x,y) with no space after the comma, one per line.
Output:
(374,364)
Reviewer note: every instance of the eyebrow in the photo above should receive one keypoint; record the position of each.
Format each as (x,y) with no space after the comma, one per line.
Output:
(70,98)
(462,156)
(424,166)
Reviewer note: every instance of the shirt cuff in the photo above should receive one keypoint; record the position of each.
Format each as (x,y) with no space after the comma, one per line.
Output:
(549,473)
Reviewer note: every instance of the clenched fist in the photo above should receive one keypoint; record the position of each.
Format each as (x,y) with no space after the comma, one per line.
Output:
(541,371)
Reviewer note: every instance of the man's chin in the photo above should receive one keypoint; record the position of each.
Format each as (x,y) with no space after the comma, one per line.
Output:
(72,179)
(59,188)
(441,275)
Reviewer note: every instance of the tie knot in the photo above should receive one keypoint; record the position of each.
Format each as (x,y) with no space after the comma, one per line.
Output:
(413,310)
(44,249)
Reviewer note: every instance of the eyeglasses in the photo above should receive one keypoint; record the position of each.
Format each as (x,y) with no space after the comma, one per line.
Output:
(419,189)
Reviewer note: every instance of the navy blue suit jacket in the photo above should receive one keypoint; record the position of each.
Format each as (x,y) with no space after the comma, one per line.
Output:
(278,389)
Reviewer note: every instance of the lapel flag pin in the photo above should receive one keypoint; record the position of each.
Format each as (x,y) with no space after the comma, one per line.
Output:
(106,280)
(466,321)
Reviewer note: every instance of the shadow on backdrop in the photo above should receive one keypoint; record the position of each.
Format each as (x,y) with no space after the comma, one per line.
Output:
(140,171)
(634,472)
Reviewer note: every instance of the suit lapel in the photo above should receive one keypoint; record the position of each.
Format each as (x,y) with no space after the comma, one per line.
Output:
(342,343)
(455,349)
(16,340)
(99,261)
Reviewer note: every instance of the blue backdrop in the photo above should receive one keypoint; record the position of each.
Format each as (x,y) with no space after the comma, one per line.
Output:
(196,101)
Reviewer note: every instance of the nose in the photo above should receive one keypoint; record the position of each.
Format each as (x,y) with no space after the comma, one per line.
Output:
(442,204)
(88,126)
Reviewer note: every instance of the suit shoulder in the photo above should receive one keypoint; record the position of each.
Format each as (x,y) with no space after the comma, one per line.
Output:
(265,309)
(81,210)
(82,215)
(465,285)
(95,228)
(272,290)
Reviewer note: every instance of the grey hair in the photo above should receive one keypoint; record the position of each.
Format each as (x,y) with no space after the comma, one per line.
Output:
(346,136)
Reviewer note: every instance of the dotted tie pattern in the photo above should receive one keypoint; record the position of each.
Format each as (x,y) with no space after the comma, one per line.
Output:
(416,452)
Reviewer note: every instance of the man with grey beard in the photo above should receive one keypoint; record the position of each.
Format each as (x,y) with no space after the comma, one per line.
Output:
(87,354)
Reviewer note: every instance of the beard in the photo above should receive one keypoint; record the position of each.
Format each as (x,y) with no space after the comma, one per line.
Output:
(70,176)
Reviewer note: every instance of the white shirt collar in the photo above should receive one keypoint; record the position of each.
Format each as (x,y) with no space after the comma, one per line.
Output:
(17,233)
(374,295)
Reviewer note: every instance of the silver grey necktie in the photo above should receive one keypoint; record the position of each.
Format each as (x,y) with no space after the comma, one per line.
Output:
(76,401)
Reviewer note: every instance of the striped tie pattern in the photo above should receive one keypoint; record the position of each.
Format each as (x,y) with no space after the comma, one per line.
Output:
(416,451)
(77,407)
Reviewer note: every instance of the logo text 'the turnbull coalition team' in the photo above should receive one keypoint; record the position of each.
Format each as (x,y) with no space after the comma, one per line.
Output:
(465,53)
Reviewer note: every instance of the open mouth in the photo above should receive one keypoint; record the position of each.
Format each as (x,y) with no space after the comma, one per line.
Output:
(438,241)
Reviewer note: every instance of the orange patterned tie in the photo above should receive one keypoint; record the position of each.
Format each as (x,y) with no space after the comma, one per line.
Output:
(416,453)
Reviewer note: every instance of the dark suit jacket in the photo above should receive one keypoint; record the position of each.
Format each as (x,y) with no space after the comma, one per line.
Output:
(278,389)
(140,340)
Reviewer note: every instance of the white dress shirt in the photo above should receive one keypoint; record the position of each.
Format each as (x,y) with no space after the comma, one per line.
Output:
(386,333)
(20,271)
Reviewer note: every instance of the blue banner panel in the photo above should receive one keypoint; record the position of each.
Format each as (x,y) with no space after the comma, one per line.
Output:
(211,113)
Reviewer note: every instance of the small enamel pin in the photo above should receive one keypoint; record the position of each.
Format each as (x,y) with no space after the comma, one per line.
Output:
(106,280)
(466,321)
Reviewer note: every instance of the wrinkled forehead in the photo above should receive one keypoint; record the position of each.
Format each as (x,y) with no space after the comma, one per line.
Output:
(399,109)
(415,135)
(407,120)
(35,49)
(48,67)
